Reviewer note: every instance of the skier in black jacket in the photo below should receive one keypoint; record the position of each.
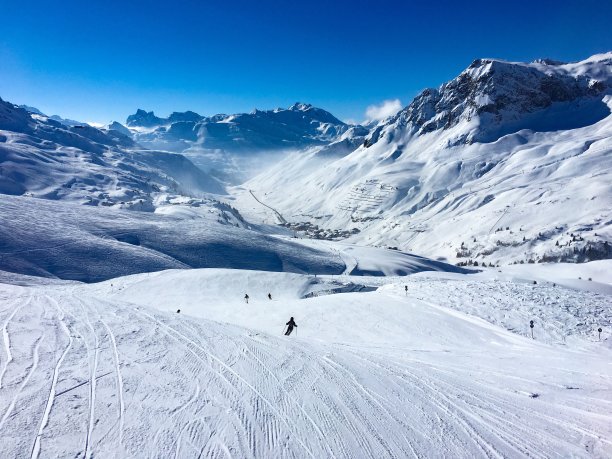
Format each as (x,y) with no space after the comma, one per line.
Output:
(290,326)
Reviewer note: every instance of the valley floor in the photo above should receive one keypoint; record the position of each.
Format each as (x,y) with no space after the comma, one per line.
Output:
(111,370)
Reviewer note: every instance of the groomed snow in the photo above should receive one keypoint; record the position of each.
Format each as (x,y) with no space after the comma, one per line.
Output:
(111,370)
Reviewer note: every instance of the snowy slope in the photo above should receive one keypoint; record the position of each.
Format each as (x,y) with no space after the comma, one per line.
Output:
(507,163)
(84,372)
(68,241)
(564,314)
(44,158)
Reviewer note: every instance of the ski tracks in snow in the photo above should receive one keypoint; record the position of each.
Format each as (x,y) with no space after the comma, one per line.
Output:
(52,390)
(6,339)
(105,379)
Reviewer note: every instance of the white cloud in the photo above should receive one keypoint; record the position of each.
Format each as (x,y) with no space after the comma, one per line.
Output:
(383,110)
(95,124)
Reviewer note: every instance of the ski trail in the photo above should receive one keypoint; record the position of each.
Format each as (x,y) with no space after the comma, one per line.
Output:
(359,418)
(281,219)
(306,415)
(460,416)
(209,389)
(177,447)
(368,396)
(186,341)
(7,340)
(51,398)
(119,380)
(25,381)
(92,380)
(193,398)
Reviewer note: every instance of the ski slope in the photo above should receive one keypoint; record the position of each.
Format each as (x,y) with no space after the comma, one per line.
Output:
(85,371)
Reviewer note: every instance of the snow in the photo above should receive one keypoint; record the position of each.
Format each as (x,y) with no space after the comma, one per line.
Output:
(431,195)
(111,369)
(57,239)
(102,244)
(83,164)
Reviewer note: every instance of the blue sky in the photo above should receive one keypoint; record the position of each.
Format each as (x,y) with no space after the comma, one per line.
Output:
(97,61)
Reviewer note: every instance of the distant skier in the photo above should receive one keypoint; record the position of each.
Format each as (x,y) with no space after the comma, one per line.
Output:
(178,311)
(290,326)
(406,289)
(246,298)
(269,296)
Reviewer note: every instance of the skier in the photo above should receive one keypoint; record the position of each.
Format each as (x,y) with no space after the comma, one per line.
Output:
(269,296)
(246,298)
(406,289)
(290,326)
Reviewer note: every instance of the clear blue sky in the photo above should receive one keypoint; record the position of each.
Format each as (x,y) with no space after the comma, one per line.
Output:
(100,60)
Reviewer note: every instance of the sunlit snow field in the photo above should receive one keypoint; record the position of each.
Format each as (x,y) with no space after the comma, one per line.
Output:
(447,368)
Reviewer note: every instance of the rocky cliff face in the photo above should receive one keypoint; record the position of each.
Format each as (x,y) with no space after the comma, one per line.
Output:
(493,97)
(143,118)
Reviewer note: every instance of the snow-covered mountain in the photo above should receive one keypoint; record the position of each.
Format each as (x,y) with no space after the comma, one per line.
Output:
(59,119)
(508,162)
(231,146)
(146,119)
(298,126)
(113,346)
(150,209)
(44,158)
(492,98)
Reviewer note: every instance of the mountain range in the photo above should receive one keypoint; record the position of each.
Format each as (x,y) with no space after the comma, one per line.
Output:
(508,162)
(283,284)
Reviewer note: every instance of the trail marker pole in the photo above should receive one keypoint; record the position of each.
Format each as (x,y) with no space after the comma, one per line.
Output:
(531,326)
(599,331)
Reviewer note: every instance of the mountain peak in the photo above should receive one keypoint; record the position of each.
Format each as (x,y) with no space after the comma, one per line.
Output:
(494,97)
(30,109)
(300,106)
(116,126)
(184,116)
(547,61)
(142,118)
